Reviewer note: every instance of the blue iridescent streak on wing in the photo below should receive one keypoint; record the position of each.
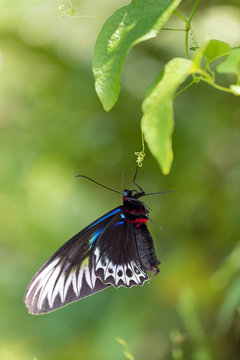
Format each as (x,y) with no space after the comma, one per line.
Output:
(95,236)
(123,216)
(116,211)
(119,223)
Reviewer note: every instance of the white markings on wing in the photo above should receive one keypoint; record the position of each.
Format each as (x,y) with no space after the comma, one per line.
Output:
(68,281)
(126,274)
(60,283)
(46,285)
(41,276)
(55,279)
(59,289)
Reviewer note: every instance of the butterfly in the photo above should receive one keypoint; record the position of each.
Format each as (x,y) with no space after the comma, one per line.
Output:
(116,249)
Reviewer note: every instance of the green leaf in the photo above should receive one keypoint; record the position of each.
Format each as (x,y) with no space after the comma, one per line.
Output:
(211,50)
(216,49)
(157,121)
(136,22)
(231,64)
(199,55)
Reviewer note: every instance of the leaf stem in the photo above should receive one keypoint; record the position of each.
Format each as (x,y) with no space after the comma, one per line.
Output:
(181,16)
(204,76)
(219,87)
(193,11)
(188,25)
(186,41)
(170,29)
(185,88)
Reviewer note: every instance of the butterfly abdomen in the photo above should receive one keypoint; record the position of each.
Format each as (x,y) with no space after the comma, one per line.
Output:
(146,249)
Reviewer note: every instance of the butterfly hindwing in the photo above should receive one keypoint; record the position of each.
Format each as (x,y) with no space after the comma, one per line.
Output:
(116,256)
(69,274)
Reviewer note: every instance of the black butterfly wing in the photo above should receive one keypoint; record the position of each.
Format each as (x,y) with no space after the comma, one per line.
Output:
(69,274)
(116,258)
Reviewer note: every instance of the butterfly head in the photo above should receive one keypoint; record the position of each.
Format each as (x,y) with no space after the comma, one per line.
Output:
(132,194)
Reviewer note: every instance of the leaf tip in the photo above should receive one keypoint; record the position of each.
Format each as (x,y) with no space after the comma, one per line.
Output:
(166,170)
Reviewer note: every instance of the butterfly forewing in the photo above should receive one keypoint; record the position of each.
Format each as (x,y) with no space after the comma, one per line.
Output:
(69,274)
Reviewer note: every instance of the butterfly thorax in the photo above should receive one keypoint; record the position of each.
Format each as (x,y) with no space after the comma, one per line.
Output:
(134,210)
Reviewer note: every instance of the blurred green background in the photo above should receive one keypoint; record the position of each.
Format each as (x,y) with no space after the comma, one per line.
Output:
(53,127)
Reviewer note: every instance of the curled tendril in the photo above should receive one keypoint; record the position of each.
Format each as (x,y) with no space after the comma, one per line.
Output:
(66,10)
(140,154)
(194,43)
(140,157)
(62,10)
(70,12)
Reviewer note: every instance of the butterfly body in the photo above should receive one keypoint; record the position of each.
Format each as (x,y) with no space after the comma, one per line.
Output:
(116,249)
(137,214)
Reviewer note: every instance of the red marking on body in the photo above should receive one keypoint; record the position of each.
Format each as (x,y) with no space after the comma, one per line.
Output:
(138,221)
(124,199)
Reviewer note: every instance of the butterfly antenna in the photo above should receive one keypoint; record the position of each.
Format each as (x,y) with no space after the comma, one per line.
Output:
(134,178)
(161,192)
(106,187)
